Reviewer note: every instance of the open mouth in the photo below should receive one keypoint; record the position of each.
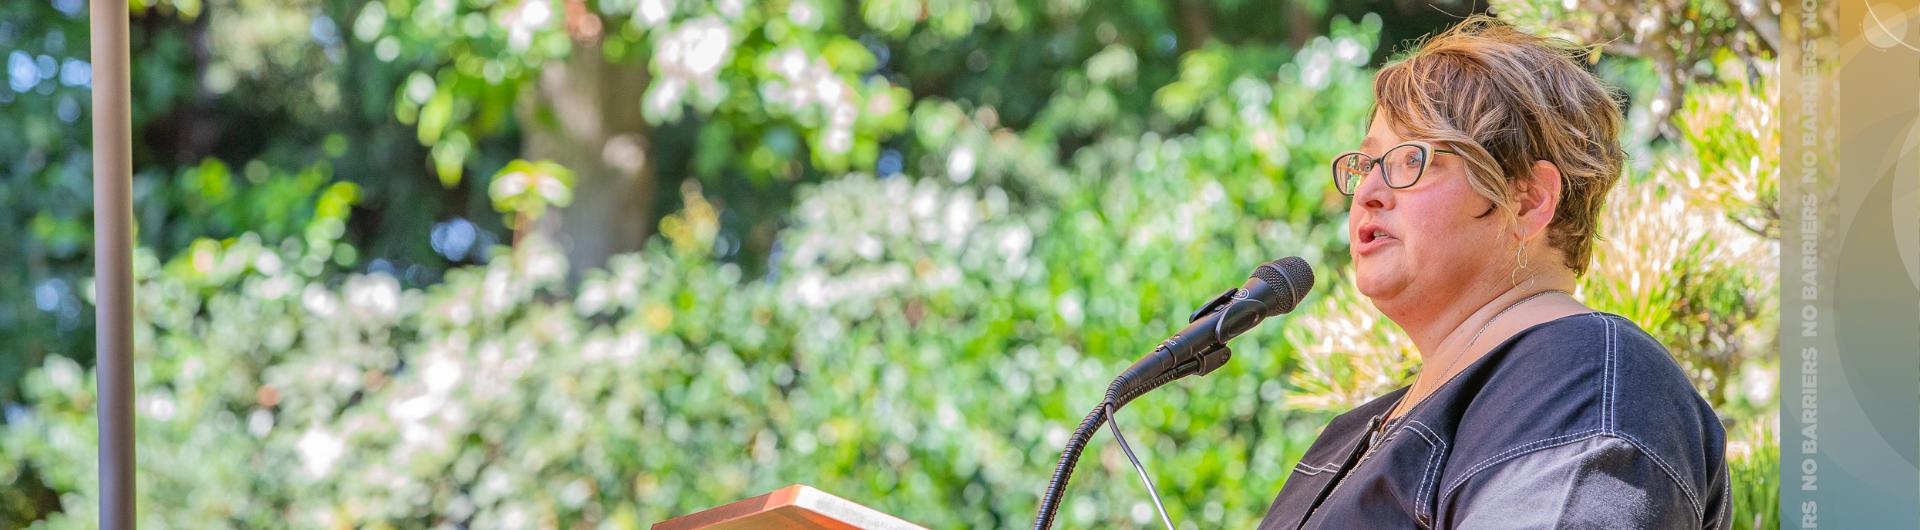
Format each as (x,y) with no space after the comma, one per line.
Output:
(1369,235)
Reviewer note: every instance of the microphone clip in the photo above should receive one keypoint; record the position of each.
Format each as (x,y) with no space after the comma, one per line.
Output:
(1216,356)
(1218,303)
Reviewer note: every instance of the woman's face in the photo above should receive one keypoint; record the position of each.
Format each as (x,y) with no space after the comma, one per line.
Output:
(1422,245)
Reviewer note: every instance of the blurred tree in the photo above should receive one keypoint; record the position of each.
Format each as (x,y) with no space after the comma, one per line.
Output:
(1680,40)
(784,92)
(785,83)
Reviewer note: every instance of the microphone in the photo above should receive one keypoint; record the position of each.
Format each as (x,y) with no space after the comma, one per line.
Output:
(1275,287)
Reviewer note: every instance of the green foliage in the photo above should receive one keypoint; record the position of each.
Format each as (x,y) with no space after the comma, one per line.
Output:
(526,189)
(946,196)
(784,69)
(666,383)
(45,189)
(404,99)
(1755,463)
(1348,353)
(1689,277)
(242,113)
(1690,252)
(1677,43)
(500,398)
(1733,130)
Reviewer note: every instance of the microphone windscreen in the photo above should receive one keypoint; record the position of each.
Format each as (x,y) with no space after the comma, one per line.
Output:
(1291,278)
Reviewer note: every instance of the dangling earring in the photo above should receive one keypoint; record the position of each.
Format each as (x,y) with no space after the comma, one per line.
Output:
(1520,264)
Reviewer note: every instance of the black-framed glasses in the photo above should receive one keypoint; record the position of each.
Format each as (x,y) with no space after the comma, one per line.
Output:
(1401,166)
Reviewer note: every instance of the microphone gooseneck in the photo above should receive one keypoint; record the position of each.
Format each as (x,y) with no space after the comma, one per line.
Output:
(1274,288)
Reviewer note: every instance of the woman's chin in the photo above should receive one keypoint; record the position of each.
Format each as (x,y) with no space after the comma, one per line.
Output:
(1377,284)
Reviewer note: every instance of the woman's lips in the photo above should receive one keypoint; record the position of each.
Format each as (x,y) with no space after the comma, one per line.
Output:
(1371,238)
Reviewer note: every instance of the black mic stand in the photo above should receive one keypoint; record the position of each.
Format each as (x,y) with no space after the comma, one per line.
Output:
(1122,391)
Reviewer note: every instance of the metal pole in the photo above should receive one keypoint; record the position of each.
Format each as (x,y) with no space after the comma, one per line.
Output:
(113,259)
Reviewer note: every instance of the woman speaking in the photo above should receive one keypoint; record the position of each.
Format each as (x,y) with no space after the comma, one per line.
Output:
(1473,203)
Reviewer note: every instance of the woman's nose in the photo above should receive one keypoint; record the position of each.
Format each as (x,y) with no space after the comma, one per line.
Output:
(1373,192)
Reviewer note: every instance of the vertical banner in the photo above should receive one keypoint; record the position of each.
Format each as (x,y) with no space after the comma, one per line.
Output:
(1850,265)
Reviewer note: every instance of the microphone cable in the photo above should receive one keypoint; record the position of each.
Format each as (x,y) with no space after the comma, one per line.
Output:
(1114,421)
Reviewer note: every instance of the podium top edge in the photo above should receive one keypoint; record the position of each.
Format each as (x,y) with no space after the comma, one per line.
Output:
(793,507)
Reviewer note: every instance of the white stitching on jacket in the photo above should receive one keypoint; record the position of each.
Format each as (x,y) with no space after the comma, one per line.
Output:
(1436,446)
(1613,375)
(1606,374)
(1308,469)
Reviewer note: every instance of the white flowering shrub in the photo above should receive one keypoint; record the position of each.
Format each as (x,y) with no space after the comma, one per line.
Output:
(1348,352)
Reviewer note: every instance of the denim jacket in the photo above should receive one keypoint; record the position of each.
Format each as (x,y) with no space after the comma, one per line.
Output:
(1580,422)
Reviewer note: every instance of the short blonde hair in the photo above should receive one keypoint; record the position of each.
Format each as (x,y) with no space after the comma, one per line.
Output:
(1504,98)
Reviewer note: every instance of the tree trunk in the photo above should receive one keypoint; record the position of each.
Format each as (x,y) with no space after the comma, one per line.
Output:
(586,116)
(1193,24)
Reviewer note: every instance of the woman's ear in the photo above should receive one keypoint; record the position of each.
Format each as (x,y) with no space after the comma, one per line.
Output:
(1536,199)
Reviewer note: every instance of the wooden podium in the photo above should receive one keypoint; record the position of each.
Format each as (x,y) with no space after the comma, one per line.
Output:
(796,507)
